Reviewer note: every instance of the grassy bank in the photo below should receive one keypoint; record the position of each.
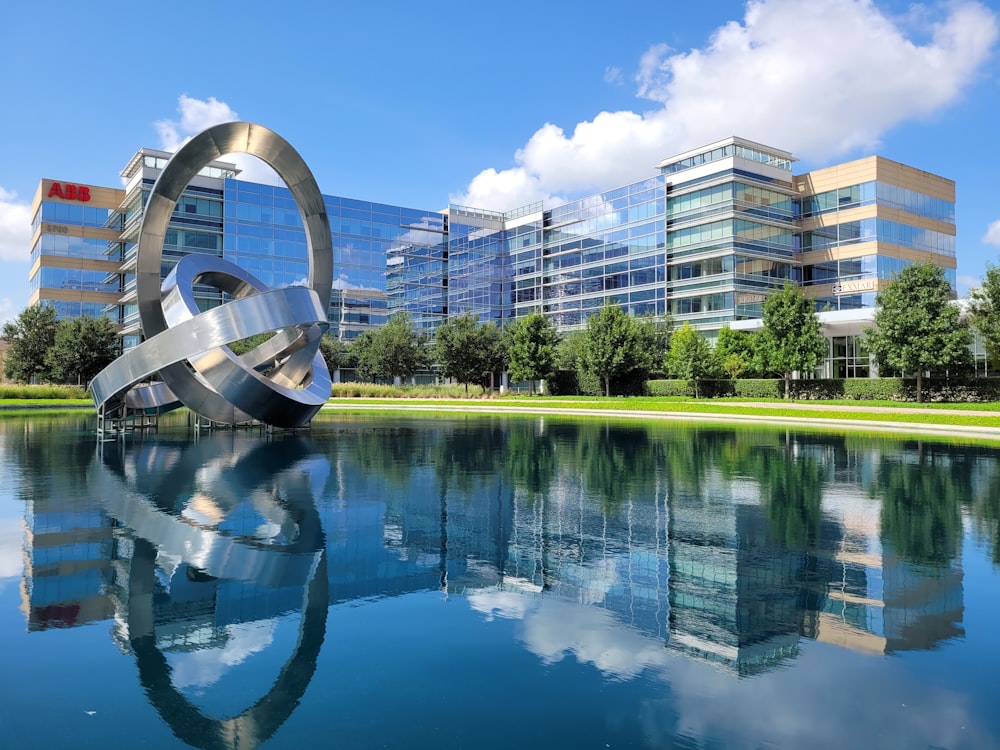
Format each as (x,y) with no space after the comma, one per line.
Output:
(390,397)
(42,392)
(42,396)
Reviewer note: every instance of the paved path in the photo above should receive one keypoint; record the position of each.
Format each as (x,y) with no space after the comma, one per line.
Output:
(805,406)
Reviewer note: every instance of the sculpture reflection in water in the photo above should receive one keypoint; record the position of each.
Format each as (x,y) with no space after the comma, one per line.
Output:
(223,531)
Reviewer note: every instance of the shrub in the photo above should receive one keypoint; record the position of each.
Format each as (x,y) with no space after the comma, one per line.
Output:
(817,390)
(563,383)
(759,388)
(956,389)
(953,390)
(373,390)
(875,389)
(669,388)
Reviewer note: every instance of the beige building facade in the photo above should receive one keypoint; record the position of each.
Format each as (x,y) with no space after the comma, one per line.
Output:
(860,222)
(74,264)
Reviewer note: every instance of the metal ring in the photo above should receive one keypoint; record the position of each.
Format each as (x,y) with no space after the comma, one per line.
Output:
(190,350)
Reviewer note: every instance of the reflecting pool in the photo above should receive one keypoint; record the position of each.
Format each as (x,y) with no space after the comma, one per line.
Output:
(487,582)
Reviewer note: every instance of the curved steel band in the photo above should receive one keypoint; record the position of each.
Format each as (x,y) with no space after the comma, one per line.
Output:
(282,382)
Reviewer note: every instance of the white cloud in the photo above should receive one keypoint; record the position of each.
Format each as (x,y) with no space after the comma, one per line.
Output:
(6,310)
(992,236)
(818,79)
(198,114)
(510,188)
(195,116)
(15,227)
(965,283)
(613,75)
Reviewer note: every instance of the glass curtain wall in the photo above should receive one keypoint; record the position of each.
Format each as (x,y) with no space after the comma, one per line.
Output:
(478,263)
(605,249)
(729,244)
(265,235)
(416,266)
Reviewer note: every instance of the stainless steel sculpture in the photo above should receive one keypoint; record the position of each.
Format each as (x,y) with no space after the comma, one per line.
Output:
(284,381)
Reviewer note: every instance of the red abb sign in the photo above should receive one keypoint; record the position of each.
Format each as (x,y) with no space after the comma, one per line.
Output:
(70,192)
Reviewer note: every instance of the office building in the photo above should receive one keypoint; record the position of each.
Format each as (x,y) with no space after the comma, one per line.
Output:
(705,239)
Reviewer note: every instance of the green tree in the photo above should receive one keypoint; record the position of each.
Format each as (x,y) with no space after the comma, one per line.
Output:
(396,350)
(917,328)
(574,377)
(334,352)
(241,347)
(736,353)
(29,337)
(494,348)
(984,312)
(467,350)
(614,347)
(655,335)
(532,345)
(82,348)
(690,357)
(791,339)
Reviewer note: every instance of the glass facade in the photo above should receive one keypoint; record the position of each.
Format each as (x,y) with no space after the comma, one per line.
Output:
(877,230)
(478,264)
(885,228)
(705,240)
(878,193)
(374,245)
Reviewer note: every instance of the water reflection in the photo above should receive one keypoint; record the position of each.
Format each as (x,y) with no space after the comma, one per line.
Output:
(198,549)
(634,551)
(728,547)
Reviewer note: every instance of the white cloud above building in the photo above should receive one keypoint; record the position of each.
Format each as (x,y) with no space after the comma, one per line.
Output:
(819,79)
(196,115)
(992,236)
(15,227)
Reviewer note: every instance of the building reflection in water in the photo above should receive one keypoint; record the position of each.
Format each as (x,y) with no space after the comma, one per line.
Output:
(622,546)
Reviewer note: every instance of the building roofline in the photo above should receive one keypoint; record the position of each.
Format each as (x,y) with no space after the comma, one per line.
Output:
(732,140)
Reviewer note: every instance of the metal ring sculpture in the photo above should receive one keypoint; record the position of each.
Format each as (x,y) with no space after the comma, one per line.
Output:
(284,381)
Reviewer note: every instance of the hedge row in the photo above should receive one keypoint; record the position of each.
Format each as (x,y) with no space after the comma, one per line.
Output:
(951,390)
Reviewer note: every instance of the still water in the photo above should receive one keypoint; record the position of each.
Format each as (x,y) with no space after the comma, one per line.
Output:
(496,583)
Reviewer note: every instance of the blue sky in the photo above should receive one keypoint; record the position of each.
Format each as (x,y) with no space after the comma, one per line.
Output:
(499,105)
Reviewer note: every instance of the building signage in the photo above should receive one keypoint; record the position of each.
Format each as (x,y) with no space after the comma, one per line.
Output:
(850,287)
(69,192)
(749,299)
(55,228)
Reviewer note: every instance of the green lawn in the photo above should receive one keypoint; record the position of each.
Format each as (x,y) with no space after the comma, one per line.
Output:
(775,408)
(931,413)
(54,403)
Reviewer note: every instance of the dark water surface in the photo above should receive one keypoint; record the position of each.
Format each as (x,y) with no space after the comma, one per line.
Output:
(496,583)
